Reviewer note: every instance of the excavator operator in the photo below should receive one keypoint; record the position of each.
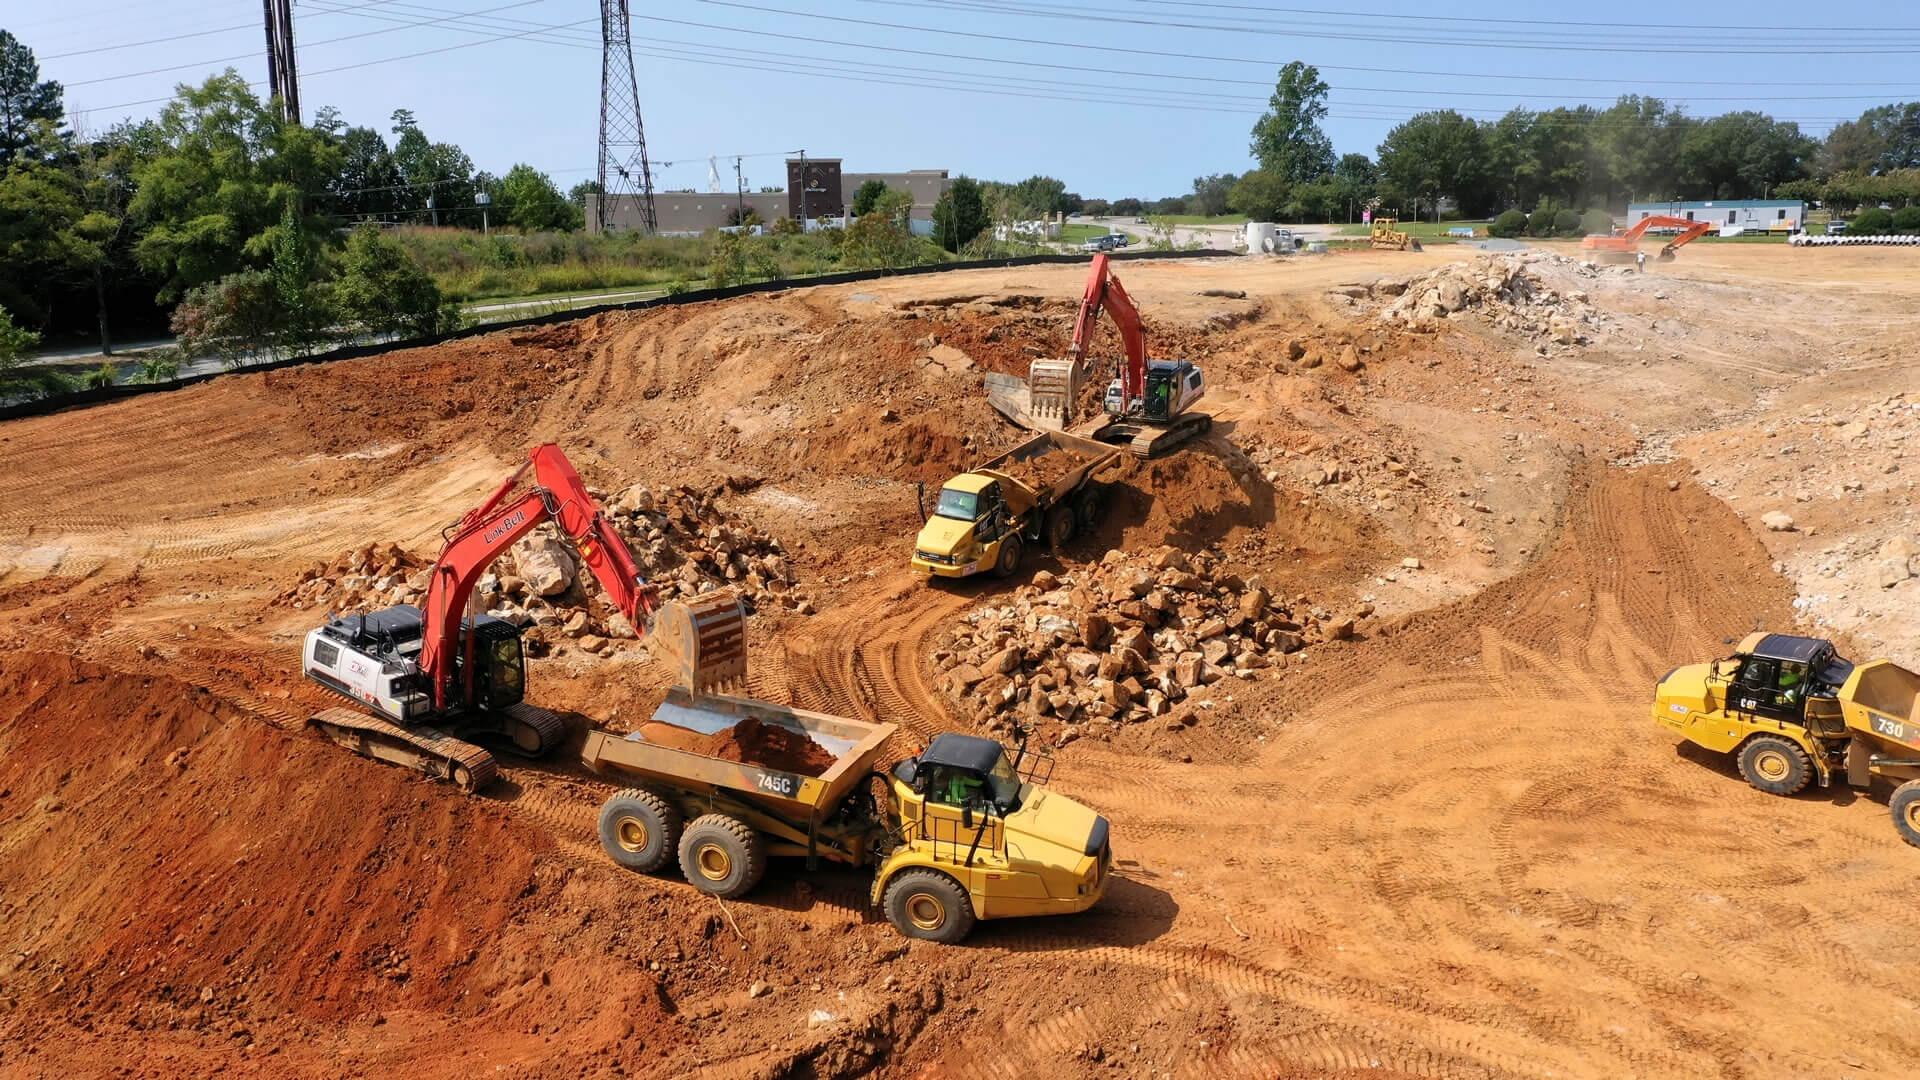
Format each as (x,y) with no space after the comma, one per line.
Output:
(1792,683)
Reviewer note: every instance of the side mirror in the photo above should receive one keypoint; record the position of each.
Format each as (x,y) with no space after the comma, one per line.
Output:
(966,817)
(906,771)
(920,498)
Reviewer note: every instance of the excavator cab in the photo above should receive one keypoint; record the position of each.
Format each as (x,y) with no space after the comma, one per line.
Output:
(500,666)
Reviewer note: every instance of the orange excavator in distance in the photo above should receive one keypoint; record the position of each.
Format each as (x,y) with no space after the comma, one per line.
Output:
(429,677)
(1623,246)
(1147,402)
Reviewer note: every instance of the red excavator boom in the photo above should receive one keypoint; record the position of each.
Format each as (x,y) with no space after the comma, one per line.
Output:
(1105,291)
(1629,242)
(558,495)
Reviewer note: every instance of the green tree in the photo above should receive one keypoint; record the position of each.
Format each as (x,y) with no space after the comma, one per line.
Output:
(27,103)
(381,291)
(1639,139)
(1742,155)
(866,196)
(577,194)
(1128,207)
(440,172)
(959,215)
(1037,196)
(532,203)
(1287,139)
(15,377)
(227,170)
(875,240)
(1437,154)
(305,302)
(366,186)
(1096,207)
(1210,193)
(235,318)
(1510,223)
(1872,221)
(1261,194)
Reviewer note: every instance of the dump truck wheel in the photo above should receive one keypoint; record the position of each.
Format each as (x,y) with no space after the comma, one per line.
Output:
(639,829)
(929,905)
(1775,765)
(1060,527)
(1010,552)
(1087,507)
(722,855)
(1906,811)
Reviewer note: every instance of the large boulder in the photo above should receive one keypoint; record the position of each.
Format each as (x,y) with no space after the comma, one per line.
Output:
(545,564)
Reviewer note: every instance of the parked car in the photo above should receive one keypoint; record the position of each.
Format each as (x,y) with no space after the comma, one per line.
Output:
(1836,228)
(1107,242)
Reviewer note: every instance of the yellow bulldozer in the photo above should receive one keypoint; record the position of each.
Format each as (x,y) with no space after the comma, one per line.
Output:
(1385,235)
(1793,711)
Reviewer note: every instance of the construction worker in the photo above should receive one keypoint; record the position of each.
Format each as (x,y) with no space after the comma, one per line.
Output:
(957,787)
(1640,261)
(1792,683)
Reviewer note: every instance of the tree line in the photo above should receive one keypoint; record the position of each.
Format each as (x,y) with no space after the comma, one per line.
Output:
(244,233)
(1639,149)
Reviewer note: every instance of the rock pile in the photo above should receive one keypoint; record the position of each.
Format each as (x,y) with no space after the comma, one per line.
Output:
(1503,289)
(683,542)
(1131,639)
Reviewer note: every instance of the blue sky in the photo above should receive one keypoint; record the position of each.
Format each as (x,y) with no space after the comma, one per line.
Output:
(1116,97)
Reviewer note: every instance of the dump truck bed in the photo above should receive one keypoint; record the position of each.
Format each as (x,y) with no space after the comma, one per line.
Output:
(1052,464)
(855,744)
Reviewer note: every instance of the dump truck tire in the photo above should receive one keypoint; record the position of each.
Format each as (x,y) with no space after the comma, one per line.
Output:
(929,905)
(1087,508)
(722,855)
(1775,765)
(639,829)
(1906,811)
(1009,563)
(1061,527)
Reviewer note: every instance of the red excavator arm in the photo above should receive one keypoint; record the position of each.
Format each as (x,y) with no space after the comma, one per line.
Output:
(1105,291)
(1629,241)
(556,495)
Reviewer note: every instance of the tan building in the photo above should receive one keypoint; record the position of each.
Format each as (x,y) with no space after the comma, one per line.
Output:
(829,192)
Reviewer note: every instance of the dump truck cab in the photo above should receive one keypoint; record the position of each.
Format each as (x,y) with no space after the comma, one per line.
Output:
(973,518)
(982,837)
(1792,710)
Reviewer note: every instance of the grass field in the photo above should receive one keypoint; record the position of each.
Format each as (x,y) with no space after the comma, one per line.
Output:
(1203,219)
(1077,234)
(1425,230)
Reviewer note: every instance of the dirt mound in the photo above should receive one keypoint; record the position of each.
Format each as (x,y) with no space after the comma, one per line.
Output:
(1508,291)
(1137,638)
(684,542)
(1198,496)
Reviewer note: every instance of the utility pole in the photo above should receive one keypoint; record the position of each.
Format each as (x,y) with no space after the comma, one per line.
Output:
(803,191)
(283,80)
(624,169)
(740,191)
(483,199)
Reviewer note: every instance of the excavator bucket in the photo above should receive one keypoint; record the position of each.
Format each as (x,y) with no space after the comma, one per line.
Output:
(1054,386)
(707,639)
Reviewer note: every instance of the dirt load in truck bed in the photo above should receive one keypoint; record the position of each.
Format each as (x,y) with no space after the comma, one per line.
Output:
(750,742)
(1045,470)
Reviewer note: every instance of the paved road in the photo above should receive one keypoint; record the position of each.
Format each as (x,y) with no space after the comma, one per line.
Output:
(1219,237)
(79,359)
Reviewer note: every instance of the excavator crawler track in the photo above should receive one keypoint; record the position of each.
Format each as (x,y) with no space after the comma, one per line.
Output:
(1153,440)
(531,731)
(424,749)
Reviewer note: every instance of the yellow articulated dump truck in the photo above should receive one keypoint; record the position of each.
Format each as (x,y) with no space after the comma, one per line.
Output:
(1793,711)
(964,831)
(1046,489)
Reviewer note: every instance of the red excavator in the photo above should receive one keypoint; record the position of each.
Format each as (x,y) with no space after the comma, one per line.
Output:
(432,676)
(1146,405)
(1625,245)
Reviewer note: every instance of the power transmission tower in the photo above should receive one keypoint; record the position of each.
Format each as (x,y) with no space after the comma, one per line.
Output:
(282,79)
(624,170)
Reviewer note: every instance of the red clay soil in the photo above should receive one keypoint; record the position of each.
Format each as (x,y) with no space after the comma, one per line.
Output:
(750,741)
(1045,470)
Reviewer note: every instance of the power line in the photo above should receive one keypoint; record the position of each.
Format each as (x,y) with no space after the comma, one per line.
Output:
(1350,14)
(194,34)
(1109,16)
(308,45)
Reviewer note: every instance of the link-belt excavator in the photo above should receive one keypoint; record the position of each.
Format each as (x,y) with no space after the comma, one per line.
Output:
(429,677)
(1146,404)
